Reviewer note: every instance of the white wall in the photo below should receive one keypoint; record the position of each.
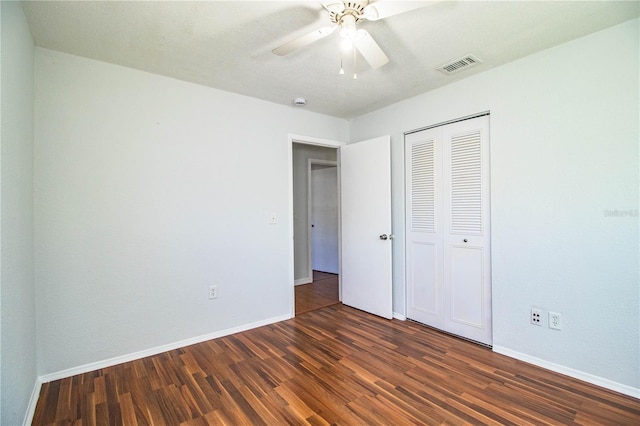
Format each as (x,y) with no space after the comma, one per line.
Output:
(18,325)
(301,154)
(147,191)
(564,150)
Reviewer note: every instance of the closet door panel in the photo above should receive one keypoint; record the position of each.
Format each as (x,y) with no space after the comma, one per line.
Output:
(466,287)
(424,229)
(467,277)
(425,297)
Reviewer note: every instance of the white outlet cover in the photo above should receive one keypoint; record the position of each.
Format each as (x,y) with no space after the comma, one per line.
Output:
(555,321)
(213,292)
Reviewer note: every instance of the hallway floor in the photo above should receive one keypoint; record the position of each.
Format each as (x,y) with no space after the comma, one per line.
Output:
(322,292)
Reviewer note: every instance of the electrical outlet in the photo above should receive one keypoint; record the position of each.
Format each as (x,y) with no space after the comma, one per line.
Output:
(536,316)
(213,292)
(555,321)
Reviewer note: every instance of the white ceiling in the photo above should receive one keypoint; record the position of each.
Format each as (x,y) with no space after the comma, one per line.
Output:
(227,44)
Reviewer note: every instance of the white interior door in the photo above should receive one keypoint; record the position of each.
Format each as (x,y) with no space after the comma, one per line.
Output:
(324,217)
(447,228)
(365,177)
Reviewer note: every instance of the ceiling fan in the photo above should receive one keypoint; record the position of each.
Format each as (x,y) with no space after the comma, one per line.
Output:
(345,15)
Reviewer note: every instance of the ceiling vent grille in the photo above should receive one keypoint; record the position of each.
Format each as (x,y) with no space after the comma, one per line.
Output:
(459,64)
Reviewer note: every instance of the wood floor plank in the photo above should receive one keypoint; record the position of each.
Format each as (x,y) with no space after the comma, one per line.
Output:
(334,365)
(258,406)
(128,410)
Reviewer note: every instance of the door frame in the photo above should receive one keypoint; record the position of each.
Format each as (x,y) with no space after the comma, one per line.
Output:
(305,140)
(310,163)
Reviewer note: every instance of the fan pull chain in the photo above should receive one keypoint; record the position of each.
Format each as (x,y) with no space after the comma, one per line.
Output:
(355,75)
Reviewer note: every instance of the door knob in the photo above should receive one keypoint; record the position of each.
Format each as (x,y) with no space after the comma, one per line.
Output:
(384,237)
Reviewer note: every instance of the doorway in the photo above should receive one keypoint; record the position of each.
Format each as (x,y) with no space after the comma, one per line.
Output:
(365,249)
(316,226)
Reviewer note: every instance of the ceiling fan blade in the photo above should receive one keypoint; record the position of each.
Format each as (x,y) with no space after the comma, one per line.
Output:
(333,6)
(303,41)
(383,9)
(368,47)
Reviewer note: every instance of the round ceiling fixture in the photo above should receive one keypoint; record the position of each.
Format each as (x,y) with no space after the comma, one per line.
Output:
(299,101)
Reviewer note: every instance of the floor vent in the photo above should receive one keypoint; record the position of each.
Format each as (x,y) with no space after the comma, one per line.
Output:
(459,64)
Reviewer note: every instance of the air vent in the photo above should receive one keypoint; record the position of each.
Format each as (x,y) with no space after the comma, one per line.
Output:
(459,64)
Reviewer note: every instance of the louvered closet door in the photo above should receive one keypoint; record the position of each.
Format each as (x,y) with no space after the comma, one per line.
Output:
(448,235)
(467,270)
(424,244)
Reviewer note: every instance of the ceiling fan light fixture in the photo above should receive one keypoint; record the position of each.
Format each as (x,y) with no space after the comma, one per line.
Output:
(348,33)
(348,30)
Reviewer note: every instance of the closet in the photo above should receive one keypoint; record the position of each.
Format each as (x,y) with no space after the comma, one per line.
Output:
(448,245)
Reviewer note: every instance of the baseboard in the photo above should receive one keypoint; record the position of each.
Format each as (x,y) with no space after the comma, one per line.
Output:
(400,317)
(301,281)
(155,350)
(33,401)
(576,374)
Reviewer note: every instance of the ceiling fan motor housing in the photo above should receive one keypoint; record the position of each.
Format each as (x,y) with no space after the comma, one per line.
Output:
(352,8)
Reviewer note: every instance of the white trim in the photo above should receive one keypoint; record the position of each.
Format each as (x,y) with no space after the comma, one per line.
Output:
(444,123)
(576,374)
(63,374)
(309,230)
(300,281)
(307,140)
(33,401)
(310,140)
(400,317)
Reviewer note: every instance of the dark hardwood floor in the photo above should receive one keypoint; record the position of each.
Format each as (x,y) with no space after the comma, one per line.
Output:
(335,365)
(322,292)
